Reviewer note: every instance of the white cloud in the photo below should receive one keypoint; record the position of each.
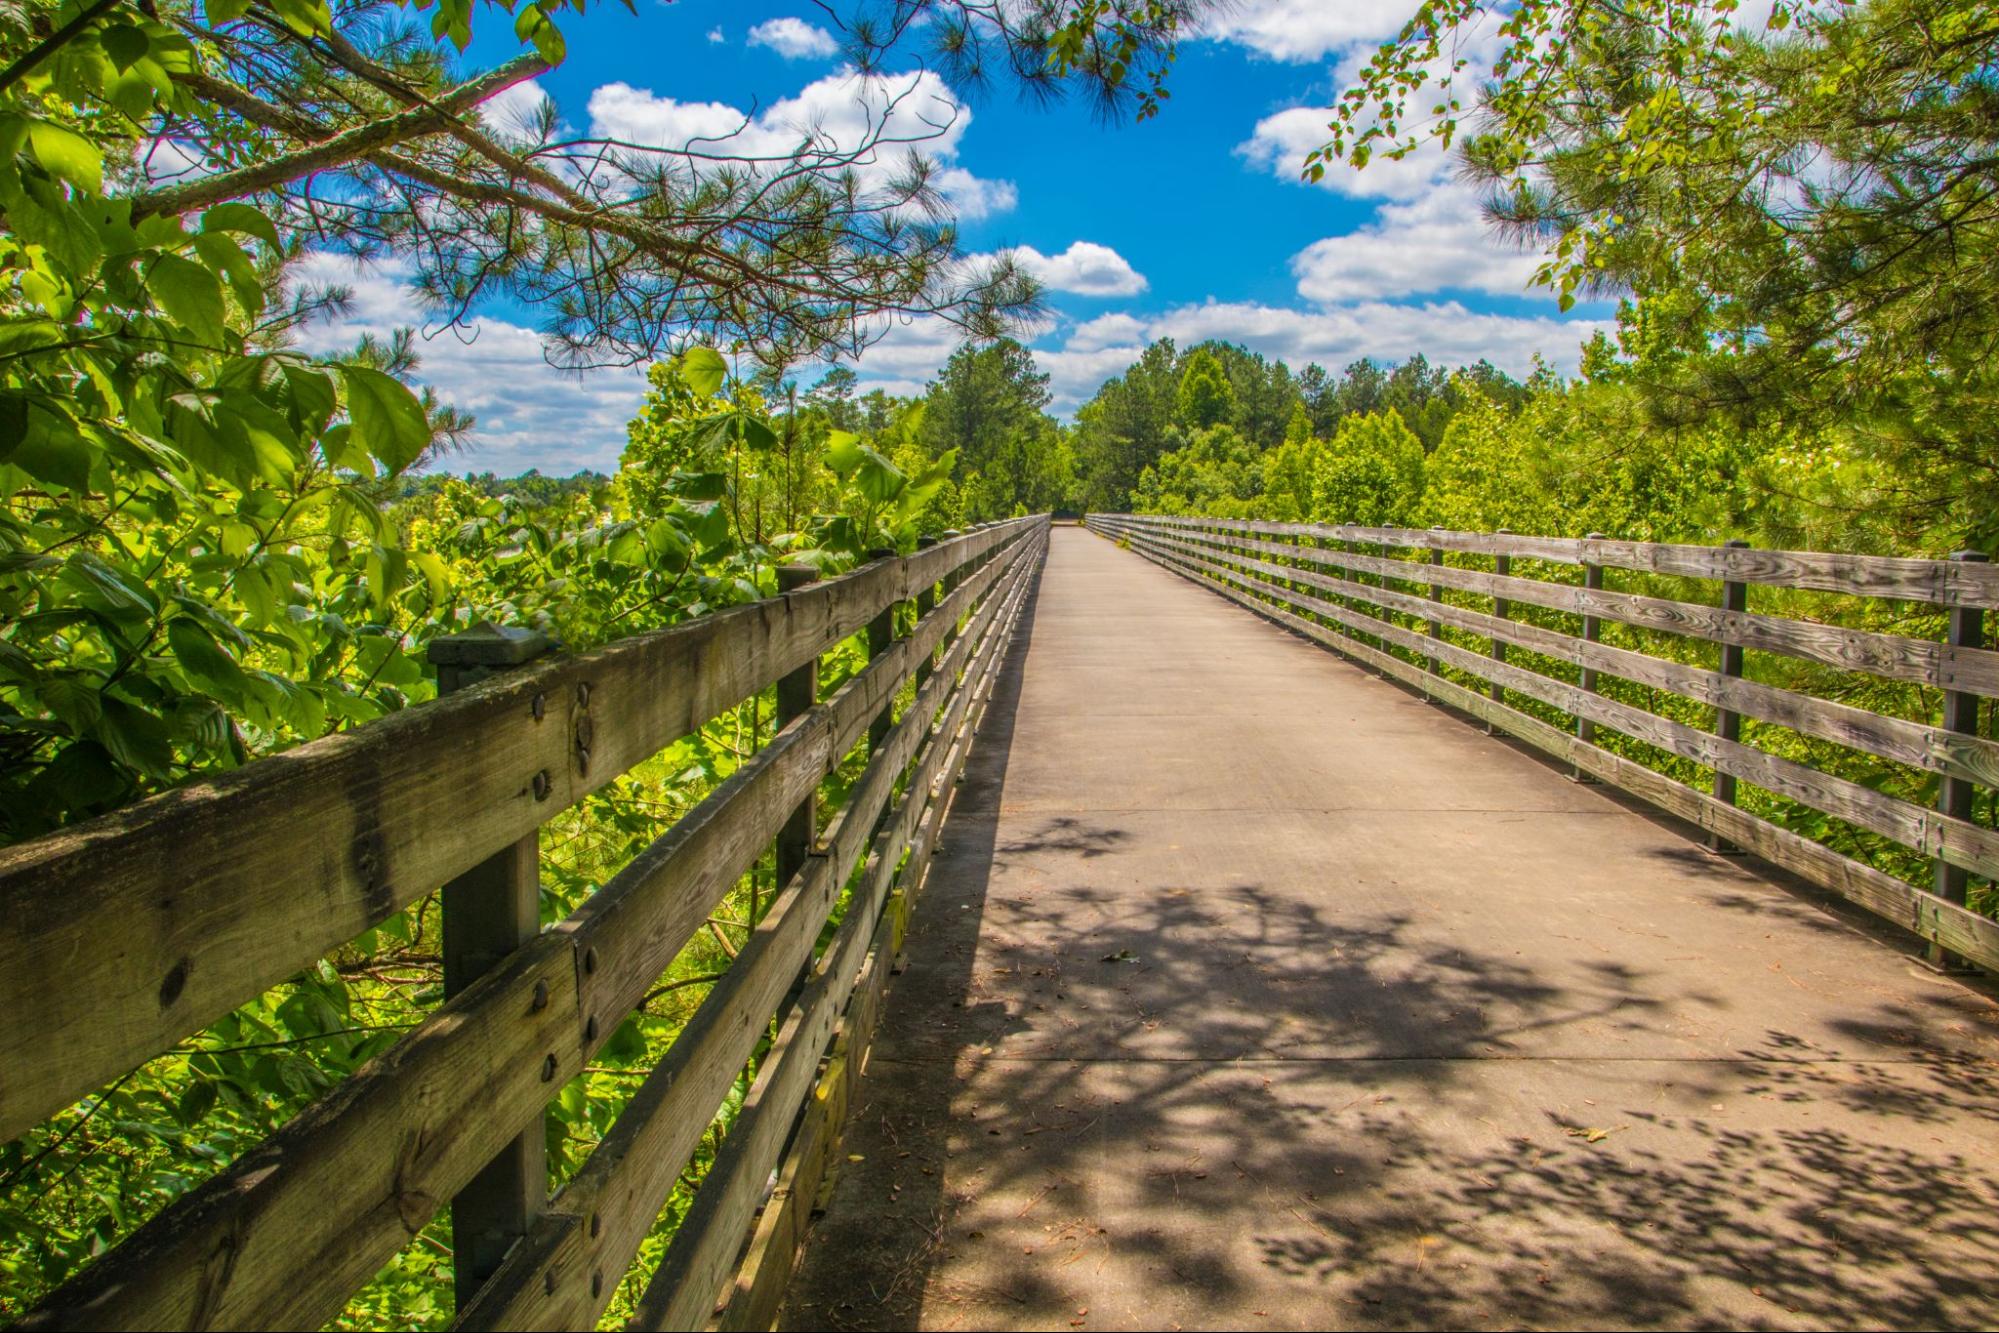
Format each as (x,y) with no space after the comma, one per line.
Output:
(511,112)
(1085,267)
(716,35)
(794,39)
(880,120)
(1280,142)
(1439,242)
(971,197)
(908,353)
(529,413)
(1116,329)
(1300,30)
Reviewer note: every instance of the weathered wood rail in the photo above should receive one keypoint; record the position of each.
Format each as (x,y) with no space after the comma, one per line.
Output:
(125,935)
(1363,591)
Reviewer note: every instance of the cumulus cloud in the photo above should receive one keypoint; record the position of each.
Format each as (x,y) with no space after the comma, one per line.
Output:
(1280,142)
(717,36)
(529,413)
(1085,268)
(794,39)
(1298,30)
(511,112)
(1113,330)
(1438,242)
(880,118)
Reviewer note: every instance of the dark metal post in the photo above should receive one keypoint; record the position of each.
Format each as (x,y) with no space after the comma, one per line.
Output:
(797,692)
(490,911)
(1960,714)
(1592,631)
(1728,722)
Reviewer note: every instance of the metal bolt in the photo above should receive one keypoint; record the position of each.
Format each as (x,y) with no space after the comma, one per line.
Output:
(590,960)
(548,1067)
(583,759)
(540,996)
(583,695)
(539,706)
(542,785)
(590,1029)
(596,1284)
(596,1225)
(548,1282)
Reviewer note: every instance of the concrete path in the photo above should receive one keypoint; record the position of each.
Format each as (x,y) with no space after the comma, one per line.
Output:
(1251,991)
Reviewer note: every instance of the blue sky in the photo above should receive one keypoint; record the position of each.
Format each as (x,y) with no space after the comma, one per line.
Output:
(1191,225)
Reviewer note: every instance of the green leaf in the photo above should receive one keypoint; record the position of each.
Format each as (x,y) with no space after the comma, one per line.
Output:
(124,44)
(243,219)
(226,11)
(387,418)
(843,452)
(205,659)
(703,370)
(135,738)
(190,294)
(65,153)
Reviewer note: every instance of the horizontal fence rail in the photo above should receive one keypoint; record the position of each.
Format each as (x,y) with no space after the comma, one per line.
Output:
(127,934)
(1392,598)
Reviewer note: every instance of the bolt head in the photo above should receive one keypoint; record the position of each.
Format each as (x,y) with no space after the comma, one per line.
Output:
(583,695)
(539,706)
(540,996)
(548,1068)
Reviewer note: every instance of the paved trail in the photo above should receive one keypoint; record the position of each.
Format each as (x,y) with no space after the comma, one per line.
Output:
(1252,991)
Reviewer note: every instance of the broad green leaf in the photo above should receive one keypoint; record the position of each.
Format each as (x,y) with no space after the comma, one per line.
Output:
(65,153)
(205,659)
(123,43)
(703,370)
(190,294)
(843,452)
(388,420)
(243,219)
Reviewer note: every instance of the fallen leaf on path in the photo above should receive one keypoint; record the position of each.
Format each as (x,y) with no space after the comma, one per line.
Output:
(1592,1134)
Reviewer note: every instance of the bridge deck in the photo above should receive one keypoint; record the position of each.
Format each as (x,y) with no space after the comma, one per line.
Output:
(1250,990)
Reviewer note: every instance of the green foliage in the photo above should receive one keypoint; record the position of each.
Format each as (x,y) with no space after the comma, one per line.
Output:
(1206,398)
(988,410)
(1806,207)
(1370,472)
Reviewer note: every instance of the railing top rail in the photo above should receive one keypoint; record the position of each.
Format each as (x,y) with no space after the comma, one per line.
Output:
(129,931)
(1954,583)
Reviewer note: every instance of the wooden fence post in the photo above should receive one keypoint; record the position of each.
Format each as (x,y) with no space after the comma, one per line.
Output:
(490,911)
(797,692)
(881,633)
(1960,714)
(926,602)
(1728,722)
(1502,608)
(1436,595)
(1592,631)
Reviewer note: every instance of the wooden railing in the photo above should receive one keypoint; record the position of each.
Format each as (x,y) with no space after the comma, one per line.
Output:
(1440,611)
(124,935)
